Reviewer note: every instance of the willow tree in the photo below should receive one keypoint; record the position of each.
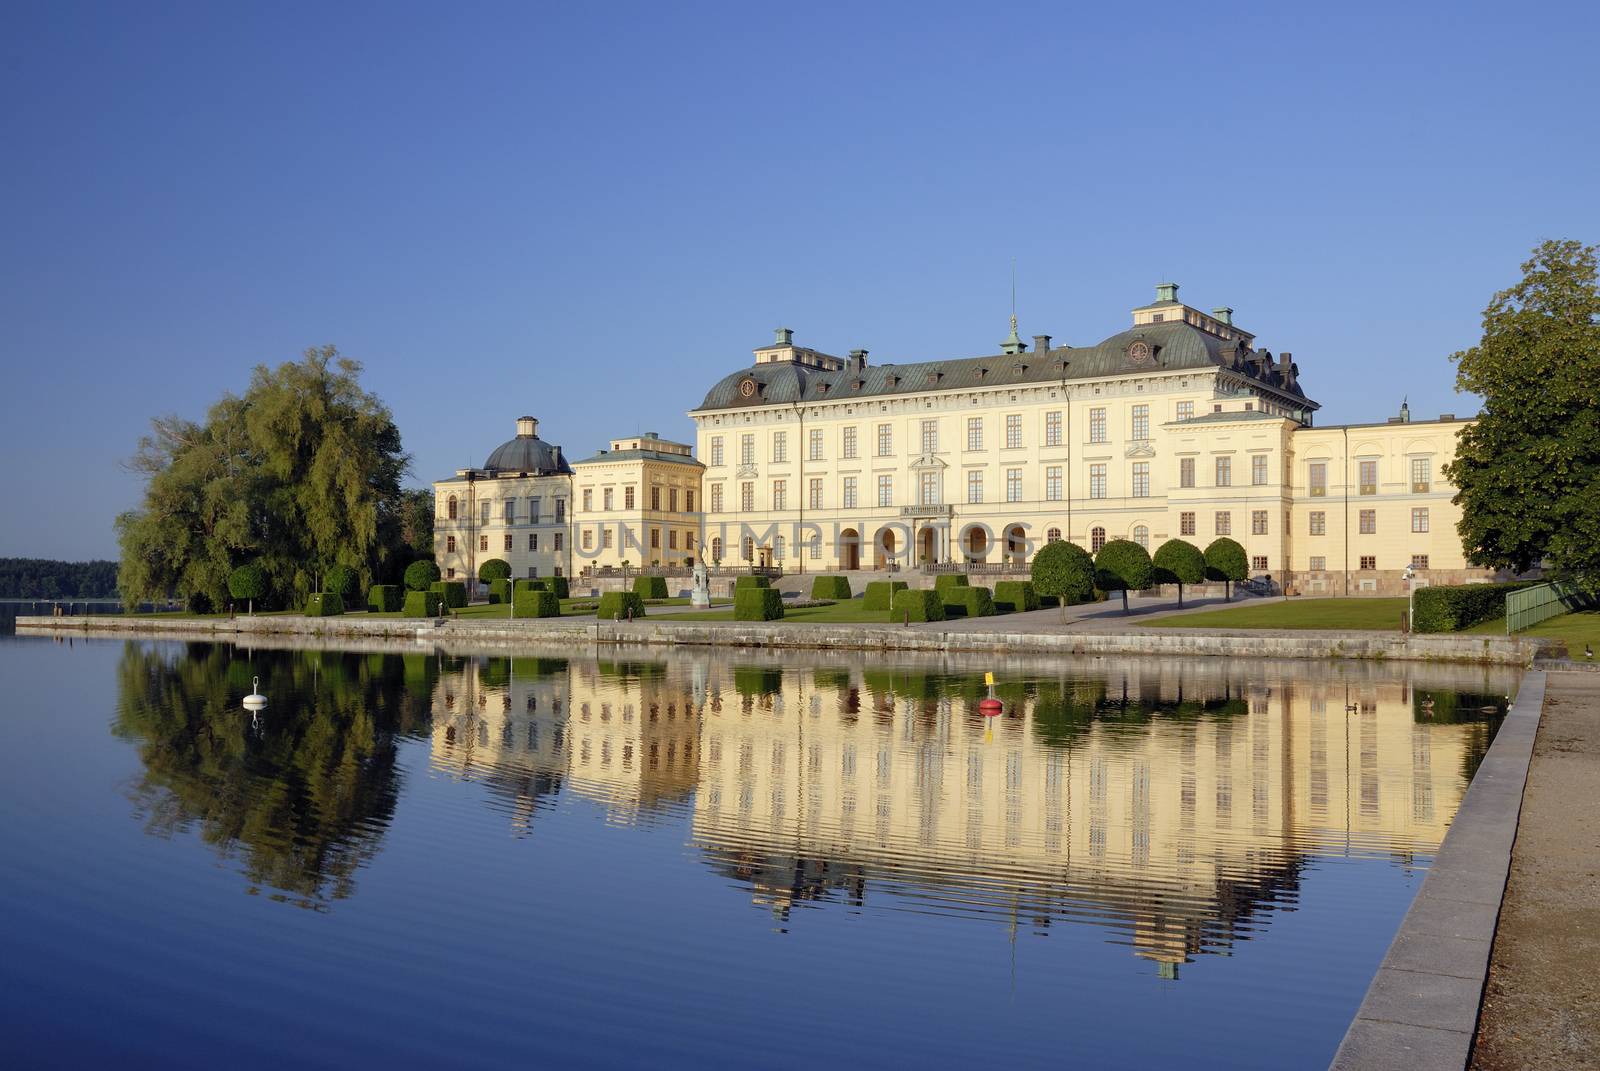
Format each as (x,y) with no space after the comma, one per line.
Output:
(299,474)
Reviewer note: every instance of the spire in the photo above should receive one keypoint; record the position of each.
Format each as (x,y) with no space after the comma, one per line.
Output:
(1013,342)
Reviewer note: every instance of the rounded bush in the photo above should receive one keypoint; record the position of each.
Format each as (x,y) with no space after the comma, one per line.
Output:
(1178,562)
(830,587)
(1063,571)
(650,587)
(248,582)
(880,594)
(1226,560)
(342,581)
(421,575)
(494,569)
(1122,565)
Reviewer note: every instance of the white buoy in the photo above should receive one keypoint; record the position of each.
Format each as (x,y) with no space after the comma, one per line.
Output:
(255,700)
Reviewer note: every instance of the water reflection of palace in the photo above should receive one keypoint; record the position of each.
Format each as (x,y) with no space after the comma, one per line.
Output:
(1172,801)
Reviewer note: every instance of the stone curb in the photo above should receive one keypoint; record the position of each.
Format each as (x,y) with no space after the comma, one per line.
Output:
(1421,1010)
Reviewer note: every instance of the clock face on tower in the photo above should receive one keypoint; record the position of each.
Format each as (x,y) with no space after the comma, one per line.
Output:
(747,388)
(1139,352)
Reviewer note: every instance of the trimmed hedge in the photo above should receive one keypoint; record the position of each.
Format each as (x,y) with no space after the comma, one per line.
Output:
(831,587)
(757,604)
(650,587)
(385,598)
(324,604)
(537,602)
(1451,609)
(421,575)
(880,594)
(742,582)
(421,604)
(453,592)
(557,584)
(944,582)
(918,604)
(499,592)
(974,601)
(614,605)
(1015,596)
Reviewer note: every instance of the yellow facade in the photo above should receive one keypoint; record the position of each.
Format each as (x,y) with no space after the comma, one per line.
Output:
(637,503)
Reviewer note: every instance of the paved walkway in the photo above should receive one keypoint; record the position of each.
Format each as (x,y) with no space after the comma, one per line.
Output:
(1541,1006)
(1106,615)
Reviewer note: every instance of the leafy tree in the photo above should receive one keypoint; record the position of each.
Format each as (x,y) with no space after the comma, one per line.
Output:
(416,521)
(1120,565)
(1226,561)
(1528,471)
(341,580)
(494,569)
(1179,562)
(248,582)
(299,473)
(421,575)
(1065,571)
(42,578)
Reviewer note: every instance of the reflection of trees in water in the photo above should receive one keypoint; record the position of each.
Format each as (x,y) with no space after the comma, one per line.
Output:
(303,796)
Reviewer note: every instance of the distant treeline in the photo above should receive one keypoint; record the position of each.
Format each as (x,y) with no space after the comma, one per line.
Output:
(41,578)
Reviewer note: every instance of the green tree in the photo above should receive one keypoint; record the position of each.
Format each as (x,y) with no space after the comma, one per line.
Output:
(1123,564)
(301,472)
(421,575)
(494,569)
(1527,471)
(1179,562)
(248,582)
(1065,571)
(416,521)
(1226,561)
(341,580)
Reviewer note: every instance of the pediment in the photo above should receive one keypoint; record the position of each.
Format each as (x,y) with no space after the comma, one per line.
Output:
(929,461)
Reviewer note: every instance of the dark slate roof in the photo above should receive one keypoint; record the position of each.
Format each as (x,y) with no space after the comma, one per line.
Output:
(1176,345)
(530,454)
(636,455)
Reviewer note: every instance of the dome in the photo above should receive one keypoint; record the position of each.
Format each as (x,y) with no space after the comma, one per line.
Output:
(528,453)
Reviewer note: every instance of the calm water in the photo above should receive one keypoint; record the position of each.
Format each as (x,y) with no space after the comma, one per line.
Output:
(708,859)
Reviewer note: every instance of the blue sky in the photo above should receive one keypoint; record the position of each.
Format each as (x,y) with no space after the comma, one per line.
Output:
(591,212)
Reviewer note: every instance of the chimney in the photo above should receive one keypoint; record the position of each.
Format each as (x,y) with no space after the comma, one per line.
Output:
(1041,343)
(785,337)
(1223,314)
(1166,291)
(858,359)
(527,427)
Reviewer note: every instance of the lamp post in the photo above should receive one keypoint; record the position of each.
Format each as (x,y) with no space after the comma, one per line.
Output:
(1410,577)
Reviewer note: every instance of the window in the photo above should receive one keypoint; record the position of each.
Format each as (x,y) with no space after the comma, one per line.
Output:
(885,440)
(747,497)
(1186,523)
(930,436)
(1224,472)
(1140,428)
(1369,477)
(627,497)
(511,511)
(450,544)
(533,571)
(1368,524)
(655,539)
(928,488)
(605,538)
(1421,475)
(483,543)
(1224,522)
(815,494)
(780,494)
(748,549)
(780,447)
(533,510)
(588,500)
(1097,480)
(716,449)
(1318,479)
(974,433)
(451,507)
(1258,563)
(716,549)
(688,541)
(508,539)
(848,446)
(561,510)
(1052,483)
(1186,472)
(688,500)
(450,573)
(1097,425)
(483,512)
(848,493)
(1052,535)
(1419,561)
(1258,522)
(885,490)
(1419,520)
(816,546)
(1141,479)
(975,485)
(716,498)
(1369,561)
(1052,428)
(815,439)
(747,449)
(533,540)
(1258,470)
(1141,536)
(672,499)
(1013,485)
(777,548)
(1319,564)
(1319,522)
(555,541)
(607,495)
(1185,410)
(1097,539)
(1013,431)
(672,539)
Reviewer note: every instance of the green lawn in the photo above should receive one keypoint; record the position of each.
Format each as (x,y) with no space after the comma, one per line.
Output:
(1296,613)
(1575,628)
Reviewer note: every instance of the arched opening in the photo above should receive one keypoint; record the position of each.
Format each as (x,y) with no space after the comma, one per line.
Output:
(1141,536)
(1097,539)
(927,545)
(452,507)
(850,549)
(975,543)
(884,548)
(1016,545)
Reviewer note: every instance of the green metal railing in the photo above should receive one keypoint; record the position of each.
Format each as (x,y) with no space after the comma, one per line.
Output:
(1528,607)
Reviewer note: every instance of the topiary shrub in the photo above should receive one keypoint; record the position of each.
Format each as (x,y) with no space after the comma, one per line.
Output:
(537,602)
(342,581)
(946,582)
(453,592)
(1065,572)
(830,587)
(614,605)
(1451,609)
(1179,562)
(324,604)
(558,584)
(531,584)
(751,582)
(975,601)
(1014,597)
(650,587)
(421,604)
(757,604)
(421,575)
(1122,565)
(917,604)
(248,582)
(1226,561)
(385,598)
(880,594)
(494,569)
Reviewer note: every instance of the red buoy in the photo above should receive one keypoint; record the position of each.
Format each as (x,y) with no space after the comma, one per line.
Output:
(990,707)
